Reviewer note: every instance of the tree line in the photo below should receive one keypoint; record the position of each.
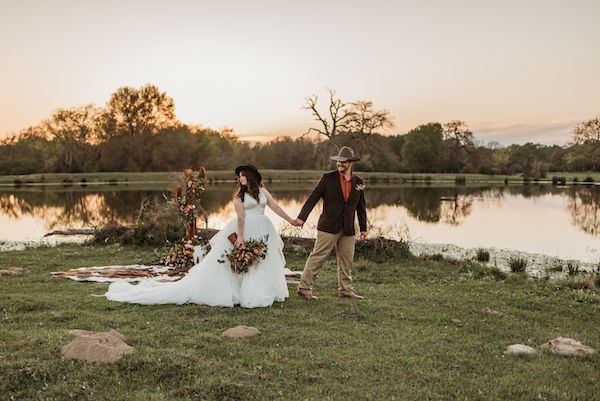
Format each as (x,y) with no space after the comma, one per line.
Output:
(137,130)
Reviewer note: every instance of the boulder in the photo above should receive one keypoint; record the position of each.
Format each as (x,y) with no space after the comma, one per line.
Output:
(568,346)
(241,332)
(96,347)
(519,349)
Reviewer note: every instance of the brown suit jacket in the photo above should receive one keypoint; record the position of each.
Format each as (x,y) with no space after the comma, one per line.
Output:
(337,214)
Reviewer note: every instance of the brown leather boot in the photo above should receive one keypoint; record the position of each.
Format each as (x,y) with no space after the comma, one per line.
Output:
(349,294)
(306,294)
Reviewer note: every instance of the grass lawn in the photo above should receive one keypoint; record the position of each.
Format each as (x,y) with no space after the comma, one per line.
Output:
(427,331)
(580,175)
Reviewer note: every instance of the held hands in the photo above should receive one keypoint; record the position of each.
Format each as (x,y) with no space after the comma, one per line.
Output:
(297,222)
(363,236)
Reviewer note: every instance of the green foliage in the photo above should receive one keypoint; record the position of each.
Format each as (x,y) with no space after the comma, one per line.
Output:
(517,264)
(573,267)
(482,255)
(158,224)
(137,130)
(382,249)
(421,149)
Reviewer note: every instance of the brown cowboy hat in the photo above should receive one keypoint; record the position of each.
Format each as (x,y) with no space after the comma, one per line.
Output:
(248,167)
(345,154)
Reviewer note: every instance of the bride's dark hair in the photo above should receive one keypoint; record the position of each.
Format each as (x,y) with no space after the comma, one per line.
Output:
(252,186)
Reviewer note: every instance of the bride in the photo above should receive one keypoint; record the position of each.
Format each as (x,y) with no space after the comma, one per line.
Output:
(213,283)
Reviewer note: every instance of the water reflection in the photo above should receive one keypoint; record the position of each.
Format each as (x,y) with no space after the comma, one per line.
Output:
(28,213)
(585,210)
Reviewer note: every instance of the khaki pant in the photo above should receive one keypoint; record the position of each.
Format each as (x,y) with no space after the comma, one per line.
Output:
(324,244)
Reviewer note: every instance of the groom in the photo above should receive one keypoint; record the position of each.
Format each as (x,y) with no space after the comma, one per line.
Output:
(343,197)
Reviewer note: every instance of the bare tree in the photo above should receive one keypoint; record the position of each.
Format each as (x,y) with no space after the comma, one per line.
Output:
(332,123)
(365,120)
(351,117)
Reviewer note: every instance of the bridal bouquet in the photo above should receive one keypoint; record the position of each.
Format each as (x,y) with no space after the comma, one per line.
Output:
(246,255)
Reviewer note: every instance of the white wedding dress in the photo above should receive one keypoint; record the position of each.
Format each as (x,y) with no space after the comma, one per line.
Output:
(212,283)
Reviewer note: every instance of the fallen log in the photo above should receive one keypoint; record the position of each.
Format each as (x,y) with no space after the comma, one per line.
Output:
(72,231)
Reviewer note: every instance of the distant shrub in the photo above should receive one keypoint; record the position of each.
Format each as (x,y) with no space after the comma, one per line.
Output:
(381,249)
(158,223)
(518,264)
(573,268)
(113,181)
(559,180)
(483,255)
(588,179)
(436,257)
(582,283)
(555,266)
(17,182)
(497,273)
(83,182)
(460,180)
(67,182)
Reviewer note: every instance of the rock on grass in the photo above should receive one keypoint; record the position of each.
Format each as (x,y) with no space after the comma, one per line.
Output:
(241,332)
(97,347)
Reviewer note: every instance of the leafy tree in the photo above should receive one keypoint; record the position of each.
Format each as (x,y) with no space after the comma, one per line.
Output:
(587,136)
(25,153)
(74,132)
(143,111)
(458,145)
(285,153)
(421,150)
(529,159)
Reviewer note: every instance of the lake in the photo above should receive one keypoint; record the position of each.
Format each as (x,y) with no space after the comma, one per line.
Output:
(556,221)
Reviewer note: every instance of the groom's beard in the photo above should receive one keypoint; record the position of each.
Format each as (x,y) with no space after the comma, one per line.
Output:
(342,169)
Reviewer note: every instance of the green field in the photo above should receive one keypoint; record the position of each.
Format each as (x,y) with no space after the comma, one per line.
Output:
(428,330)
(121,178)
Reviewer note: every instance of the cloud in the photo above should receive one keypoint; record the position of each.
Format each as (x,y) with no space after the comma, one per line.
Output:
(551,133)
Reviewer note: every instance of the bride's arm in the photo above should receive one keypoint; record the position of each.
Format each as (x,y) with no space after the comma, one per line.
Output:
(276,208)
(241,217)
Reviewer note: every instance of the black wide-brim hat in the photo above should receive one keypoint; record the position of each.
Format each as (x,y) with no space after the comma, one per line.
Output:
(249,167)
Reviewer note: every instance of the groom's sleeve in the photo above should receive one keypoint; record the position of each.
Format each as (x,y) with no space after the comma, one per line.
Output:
(361,211)
(312,200)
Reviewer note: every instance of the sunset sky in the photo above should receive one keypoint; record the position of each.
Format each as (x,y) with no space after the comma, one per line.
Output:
(515,71)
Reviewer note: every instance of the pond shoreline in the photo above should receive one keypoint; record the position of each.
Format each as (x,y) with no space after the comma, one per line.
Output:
(224,176)
(538,265)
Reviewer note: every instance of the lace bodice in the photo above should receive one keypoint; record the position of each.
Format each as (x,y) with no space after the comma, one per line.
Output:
(252,207)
